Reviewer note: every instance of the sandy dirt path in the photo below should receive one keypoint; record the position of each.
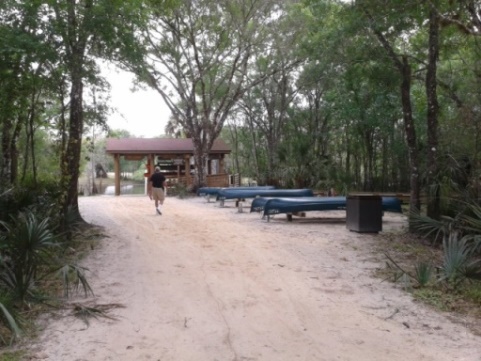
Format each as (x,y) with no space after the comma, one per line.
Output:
(203,282)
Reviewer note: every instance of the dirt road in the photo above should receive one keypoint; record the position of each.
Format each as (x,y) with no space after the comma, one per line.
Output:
(202,283)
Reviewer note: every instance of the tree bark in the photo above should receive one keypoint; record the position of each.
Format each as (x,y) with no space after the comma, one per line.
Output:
(7,126)
(71,161)
(404,68)
(433,191)
(415,204)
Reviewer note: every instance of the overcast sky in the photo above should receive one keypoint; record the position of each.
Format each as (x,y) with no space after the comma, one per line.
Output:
(143,112)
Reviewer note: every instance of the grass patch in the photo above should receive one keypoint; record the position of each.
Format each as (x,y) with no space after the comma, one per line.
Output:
(12,356)
(416,266)
(473,293)
(436,298)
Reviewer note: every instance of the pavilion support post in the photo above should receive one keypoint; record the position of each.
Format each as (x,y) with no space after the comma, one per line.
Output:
(222,164)
(209,166)
(151,163)
(117,174)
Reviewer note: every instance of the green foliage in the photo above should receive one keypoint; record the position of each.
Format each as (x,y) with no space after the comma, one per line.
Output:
(12,356)
(473,292)
(420,269)
(429,227)
(31,254)
(423,272)
(9,317)
(435,297)
(139,174)
(27,245)
(73,278)
(422,275)
(463,221)
(180,190)
(41,196)
(459,262)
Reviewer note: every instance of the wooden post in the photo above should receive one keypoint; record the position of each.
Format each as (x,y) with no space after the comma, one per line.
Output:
(222,164)
(151,163)
(117,174)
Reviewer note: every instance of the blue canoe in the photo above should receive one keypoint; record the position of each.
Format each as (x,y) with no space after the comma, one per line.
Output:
(235,193)
(213,191)
(270,206)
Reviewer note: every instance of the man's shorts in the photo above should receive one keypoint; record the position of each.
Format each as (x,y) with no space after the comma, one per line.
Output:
(158,194)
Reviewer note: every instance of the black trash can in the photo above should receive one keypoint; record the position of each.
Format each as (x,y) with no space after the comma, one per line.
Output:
(364,213)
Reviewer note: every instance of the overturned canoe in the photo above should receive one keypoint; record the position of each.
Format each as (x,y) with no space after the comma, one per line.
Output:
(235,193)
(214,191)
(270,206)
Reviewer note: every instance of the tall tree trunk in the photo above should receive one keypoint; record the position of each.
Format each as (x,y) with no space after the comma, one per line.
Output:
(402,64)
(7,178)
(415,204)
(200,162)
(32,144)
(347,168)
(26,155)
(255,154)
(6,175)
(369,167)
(433,191)
(71,161)
(14,152)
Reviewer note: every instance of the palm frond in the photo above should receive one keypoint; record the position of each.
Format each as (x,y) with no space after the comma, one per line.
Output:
(458,261)
(423,272)
(73,277)
(28,244)
(85,313)
(471,222)
(10,320)
(429,227)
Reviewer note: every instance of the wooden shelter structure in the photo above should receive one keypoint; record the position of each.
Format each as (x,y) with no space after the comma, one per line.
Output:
(174,156)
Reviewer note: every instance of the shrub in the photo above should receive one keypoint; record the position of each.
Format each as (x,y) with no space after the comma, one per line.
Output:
(459,261)
(30,255)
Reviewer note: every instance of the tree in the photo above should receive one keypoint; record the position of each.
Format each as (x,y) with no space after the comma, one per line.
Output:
(266,109)
(353,110)
(433,197)
(24,51)
(401,60)
(84,30)
(464,15)
(200,56)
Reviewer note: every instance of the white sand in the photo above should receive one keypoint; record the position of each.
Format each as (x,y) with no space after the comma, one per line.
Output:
(203,282)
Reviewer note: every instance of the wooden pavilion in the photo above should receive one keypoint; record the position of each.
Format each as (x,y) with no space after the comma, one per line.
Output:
(174,156)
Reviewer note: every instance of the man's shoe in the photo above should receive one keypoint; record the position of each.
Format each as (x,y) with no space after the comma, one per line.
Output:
(158,211)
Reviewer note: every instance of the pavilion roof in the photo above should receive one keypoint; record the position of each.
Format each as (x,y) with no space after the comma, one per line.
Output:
(159,146)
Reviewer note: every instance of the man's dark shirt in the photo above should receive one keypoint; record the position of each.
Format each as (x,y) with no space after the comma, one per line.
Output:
(157,180)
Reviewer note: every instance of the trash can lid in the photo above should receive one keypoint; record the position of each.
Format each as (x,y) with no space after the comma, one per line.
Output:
(363,196)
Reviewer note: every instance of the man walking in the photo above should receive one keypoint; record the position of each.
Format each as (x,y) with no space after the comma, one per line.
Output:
(157,192)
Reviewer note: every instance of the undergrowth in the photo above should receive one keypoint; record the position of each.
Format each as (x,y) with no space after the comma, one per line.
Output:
(432,274)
